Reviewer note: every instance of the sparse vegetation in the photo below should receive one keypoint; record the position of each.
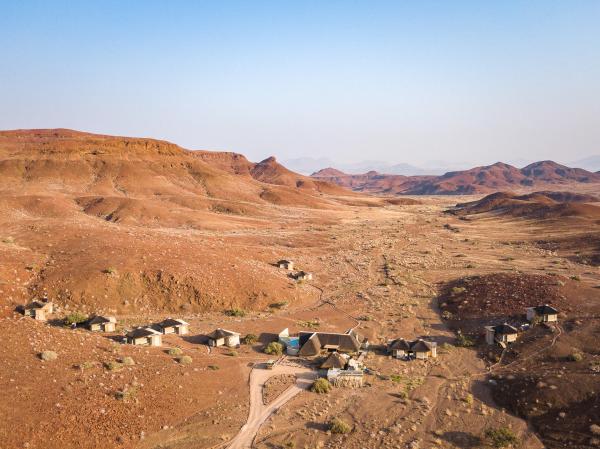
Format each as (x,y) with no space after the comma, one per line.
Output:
(184,359)
(8,240)
(279,305)
(126,394)
(576,357)
(75,318)
(250,339)
(365,318)
(321,386)
(175,351)
(463,340)
(469,399)
(213,367)
(113,365)
(236,312)
(396,377)
(110,270)
(312,324)
(86,365)
(274,348)
(501,437)
(127,361)
(575,278)
(458,290)
(48,356)
(338,426)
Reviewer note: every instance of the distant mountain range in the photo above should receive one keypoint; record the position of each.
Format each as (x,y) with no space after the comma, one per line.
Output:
(308,165)
(485,179)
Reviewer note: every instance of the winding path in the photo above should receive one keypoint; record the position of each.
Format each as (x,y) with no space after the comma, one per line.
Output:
(259,412)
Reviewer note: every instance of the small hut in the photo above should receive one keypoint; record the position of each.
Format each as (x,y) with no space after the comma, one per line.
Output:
(144,336)
(304,276)
(544,313)
(419,349)
(38,310)
(223,337)
(399,348)
(102,323)
(286,264)
(173,326)
(501,334)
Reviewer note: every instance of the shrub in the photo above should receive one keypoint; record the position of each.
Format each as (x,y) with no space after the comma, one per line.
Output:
(175,351)
(48,356)
(365,318)
(126,394)
(576,357)
(8,240)
(110,270)
(458,290)
(396,378)
(184,359)
(86,365)
(232,354)
(464,341)
(501,437)
(468,399)
(213,367)
(250,339)
(575,278)
(446,347)
(447,315)
(279,305)
(274,348)
(75,318)
(336,425)
(310,324)
(321,386)
(236,312)
(127,361)
(113,365)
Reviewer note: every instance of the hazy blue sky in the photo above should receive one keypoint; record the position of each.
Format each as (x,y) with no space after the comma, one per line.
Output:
(406,81)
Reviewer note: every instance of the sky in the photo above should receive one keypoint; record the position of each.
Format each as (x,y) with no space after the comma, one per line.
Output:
(470,82)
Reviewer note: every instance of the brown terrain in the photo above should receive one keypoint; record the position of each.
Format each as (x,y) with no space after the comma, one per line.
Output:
(477,180)
(144,229)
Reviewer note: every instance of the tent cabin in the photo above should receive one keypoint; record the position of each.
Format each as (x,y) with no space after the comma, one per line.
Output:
(102,324)
(144,336)
(399,348)
(313,343)
(501,334)
(419,349)
(173,326)
(38,310)
(223,337)
(424,349)
(286,264)
(544,313)
(304,276)
(335,361)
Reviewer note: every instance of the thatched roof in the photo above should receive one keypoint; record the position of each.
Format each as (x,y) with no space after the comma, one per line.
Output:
(170,322)
(545,310)
(313,343)
(221,333)
(142,332)
(335,360)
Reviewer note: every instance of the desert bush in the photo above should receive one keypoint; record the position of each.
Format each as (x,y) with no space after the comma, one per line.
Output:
(184,359)
(469,399)
(313,324)
(85,365)
(274,348)
(8,240)
(321,386)
(446,347)
(126,394)
(365,318)
(336,425)
(75,318)
(458,290)
(110,270)
(576,357)
(501,437)
(279,305)
(250,339)
(127,361)
(232,353)
(213,367)
(464,341)
(48,356)
(575,278)
(470,265)
(175,351)
(236,312)
(447,315)
(113,365)
(396,378)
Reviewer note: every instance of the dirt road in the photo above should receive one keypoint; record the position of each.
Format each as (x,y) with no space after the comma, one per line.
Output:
(259,412)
